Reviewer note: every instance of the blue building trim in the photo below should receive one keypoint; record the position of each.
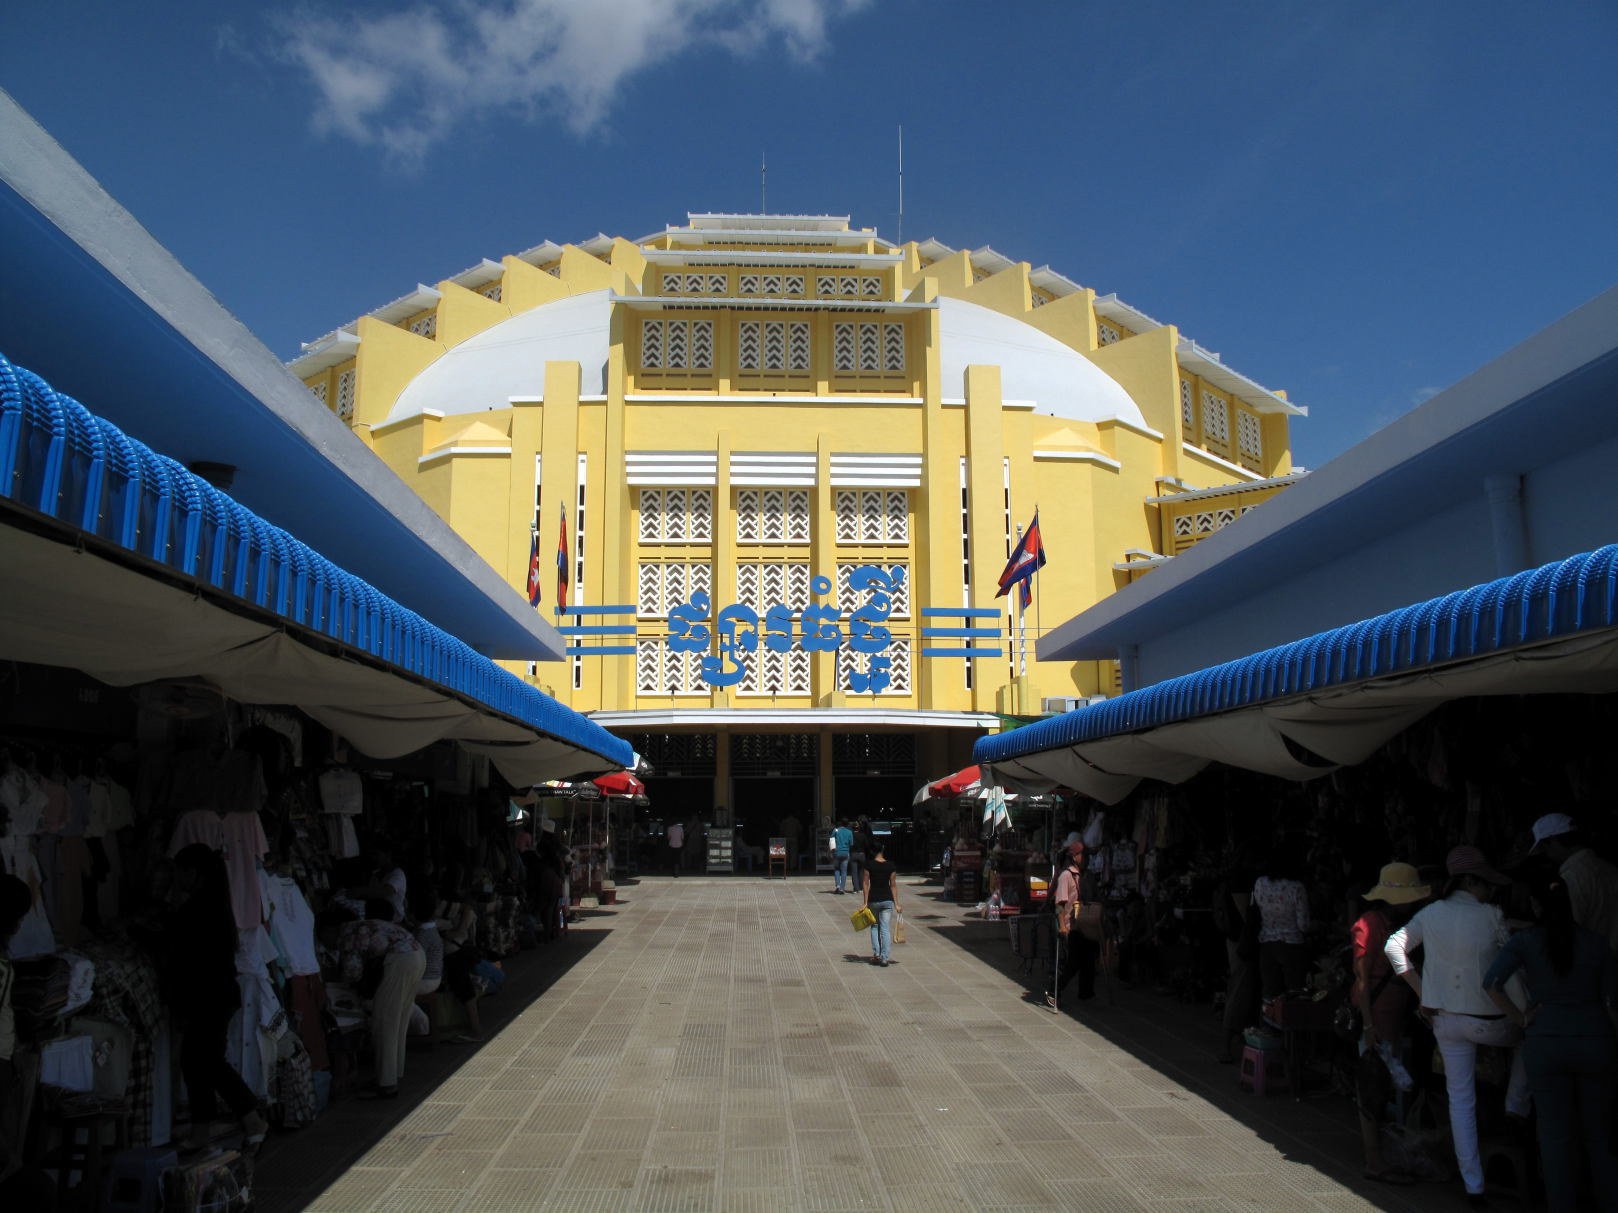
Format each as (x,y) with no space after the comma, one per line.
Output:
(59,459)
(1562,599)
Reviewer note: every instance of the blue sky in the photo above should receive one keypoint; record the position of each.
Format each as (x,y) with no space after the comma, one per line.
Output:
(1359,203)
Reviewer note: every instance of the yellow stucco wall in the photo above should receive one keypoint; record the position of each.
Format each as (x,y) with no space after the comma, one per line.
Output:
(1091,482)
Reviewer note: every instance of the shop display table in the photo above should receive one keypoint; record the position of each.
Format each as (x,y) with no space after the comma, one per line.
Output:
(1304,1023)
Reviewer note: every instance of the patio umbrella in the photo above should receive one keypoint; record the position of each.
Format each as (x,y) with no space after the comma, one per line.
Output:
(619,783)
(968,779)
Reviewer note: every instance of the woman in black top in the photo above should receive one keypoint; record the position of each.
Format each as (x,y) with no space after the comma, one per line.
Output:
(881,898)
(201,938)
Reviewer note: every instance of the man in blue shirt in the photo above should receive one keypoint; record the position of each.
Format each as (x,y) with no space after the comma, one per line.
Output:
(842,842)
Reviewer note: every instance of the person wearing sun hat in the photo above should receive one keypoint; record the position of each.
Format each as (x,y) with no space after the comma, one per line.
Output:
(1591,882)
(1460,937)
(1382,1001)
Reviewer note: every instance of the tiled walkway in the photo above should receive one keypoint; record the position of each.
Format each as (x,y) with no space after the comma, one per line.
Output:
(724,1046)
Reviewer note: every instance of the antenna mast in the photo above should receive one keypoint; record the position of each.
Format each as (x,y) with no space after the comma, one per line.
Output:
(901,232)
(763,185)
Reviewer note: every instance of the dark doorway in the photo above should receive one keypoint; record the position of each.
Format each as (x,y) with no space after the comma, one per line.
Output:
(679,799)
(879,797)
(761,804)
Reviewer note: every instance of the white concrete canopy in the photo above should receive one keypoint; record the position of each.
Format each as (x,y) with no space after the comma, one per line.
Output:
(1033,365)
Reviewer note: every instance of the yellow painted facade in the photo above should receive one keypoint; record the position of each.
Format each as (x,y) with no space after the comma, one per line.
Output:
(743,403)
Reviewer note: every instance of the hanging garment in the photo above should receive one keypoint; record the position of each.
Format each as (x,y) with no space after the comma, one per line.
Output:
(241,837)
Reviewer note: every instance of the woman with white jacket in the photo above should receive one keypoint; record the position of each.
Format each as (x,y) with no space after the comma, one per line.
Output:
(1460,936)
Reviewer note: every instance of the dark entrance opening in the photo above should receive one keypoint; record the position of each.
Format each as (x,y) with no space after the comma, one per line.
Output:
(760,806)
(679,799)
(879,797)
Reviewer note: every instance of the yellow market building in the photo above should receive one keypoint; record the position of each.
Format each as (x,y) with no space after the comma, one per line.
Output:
(790,460)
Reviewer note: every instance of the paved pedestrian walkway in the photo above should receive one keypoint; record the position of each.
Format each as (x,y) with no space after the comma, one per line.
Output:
(725,1046)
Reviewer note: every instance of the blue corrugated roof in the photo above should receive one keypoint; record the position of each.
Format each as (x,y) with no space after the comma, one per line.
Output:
(58,458)
(1575,595)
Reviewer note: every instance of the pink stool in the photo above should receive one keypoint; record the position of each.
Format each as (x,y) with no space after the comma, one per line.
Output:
(1263,1070)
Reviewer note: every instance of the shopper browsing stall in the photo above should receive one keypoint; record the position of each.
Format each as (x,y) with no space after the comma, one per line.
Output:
(201,941)
(1075,955)
(1569,1050)
(1591,882)
(1283,921)
(1461,936)
(1381,999)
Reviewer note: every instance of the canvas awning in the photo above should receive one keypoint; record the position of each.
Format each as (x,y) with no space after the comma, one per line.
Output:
(122,564)
(1303,709)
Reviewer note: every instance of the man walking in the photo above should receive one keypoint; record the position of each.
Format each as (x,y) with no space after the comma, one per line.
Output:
(676,838)
(842,842)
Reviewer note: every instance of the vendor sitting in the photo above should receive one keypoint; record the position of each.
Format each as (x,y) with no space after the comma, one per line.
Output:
(397,963)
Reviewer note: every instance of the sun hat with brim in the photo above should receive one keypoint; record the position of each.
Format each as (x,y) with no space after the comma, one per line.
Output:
(1469,861)
(1398,884)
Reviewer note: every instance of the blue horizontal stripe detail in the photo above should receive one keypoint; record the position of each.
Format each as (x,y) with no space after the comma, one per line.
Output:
(1579,594)
(608,650)
(598,629)
(959,633)
(60,459)
(968,652)
(620,609)
(963,612)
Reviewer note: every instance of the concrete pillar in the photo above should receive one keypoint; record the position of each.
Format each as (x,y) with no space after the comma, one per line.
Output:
(1506,520)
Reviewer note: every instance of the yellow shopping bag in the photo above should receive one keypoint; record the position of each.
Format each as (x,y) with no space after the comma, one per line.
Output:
(863,919)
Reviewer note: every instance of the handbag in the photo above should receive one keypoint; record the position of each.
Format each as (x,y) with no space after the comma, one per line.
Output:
(1347,1021)
(898,928)
(862,919)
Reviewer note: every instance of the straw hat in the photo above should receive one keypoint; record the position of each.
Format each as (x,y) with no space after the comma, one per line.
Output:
(1469,861)
(1399,884)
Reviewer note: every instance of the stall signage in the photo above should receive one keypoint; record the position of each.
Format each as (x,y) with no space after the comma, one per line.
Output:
(817,628)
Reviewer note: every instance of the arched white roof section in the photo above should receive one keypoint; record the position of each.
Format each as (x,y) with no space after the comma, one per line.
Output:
(1033,365)
(486,371)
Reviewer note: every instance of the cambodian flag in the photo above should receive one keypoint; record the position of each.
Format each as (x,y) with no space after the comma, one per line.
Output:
(533,566)
(1027,558)
(561,566)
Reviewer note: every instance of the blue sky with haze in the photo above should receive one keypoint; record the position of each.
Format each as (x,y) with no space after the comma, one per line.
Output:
(1359,203)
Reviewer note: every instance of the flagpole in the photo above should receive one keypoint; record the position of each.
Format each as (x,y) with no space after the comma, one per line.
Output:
(1022,623)
(1038,630)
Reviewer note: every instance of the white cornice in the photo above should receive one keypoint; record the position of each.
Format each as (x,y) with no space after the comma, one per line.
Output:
(1095,457)
(762,398)
(1224,463)
(1222,490)
(754,304)
(447,452)
(681,256)
(812,719)
(1206,363)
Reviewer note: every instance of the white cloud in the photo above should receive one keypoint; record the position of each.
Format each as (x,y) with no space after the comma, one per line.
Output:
(404,81)
(1423,395)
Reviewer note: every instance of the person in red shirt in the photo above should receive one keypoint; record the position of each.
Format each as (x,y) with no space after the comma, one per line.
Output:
(1381,998)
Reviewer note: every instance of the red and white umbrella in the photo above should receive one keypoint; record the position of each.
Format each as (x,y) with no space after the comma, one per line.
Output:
(962,783)
(619,783)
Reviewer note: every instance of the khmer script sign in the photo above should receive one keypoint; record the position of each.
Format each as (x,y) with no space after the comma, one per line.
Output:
(817,628)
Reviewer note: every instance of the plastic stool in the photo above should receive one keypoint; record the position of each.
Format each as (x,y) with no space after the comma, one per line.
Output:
(134,1178)
(1263,1070)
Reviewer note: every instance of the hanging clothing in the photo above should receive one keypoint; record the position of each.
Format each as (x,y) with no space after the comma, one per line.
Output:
(241,837)
(292,924)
